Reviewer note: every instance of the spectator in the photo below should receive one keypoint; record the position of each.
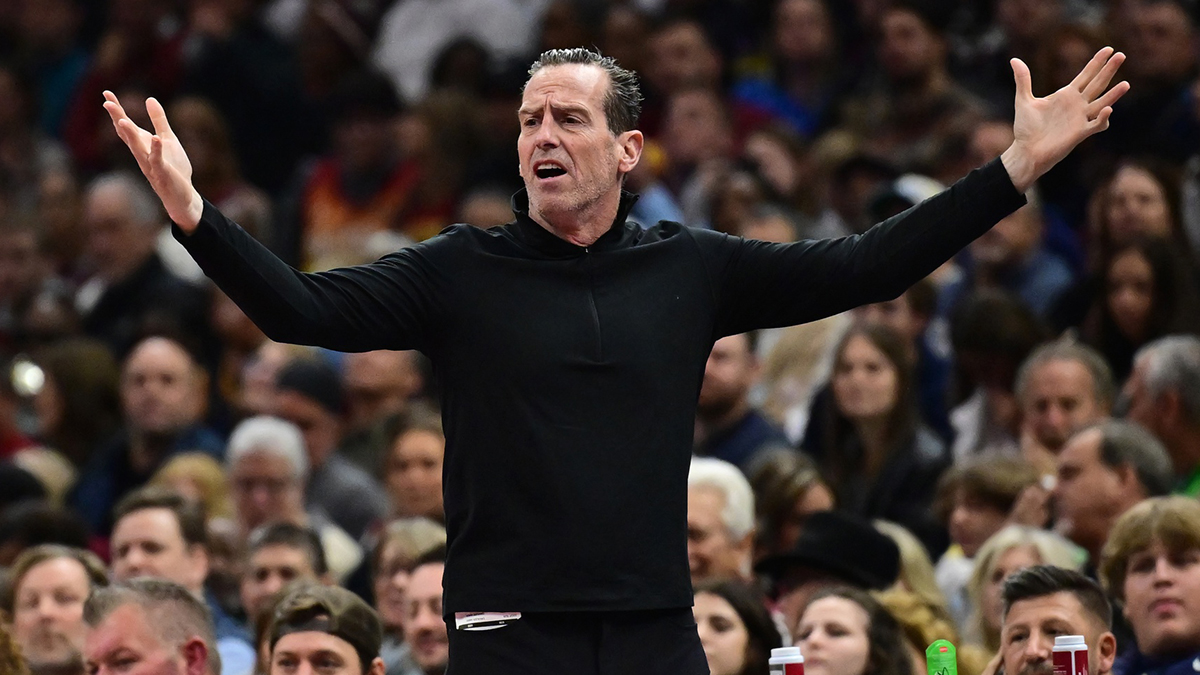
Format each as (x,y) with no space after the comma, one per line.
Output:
(131,292)
(834,548)
(698,138)
(737,632)
(424,626)
(975,499)
(157,626)
(413,467)
(1061,387)
(922,625)
(53,54)
(1043,602)
(1149,291)
(163,398)
(78,406)
(1103,471)
(32,521)
(309,395)
(325,629)
(1150,566)
(48,585)
(278,554)
(1163,396)
(845,631)
(267,468)
(880,459)
(992,334)
(728,427)
(1008,551)
(787,490)
(157,533)
(26,277)
(401,545)
(26,153)
(720,521)
(916,569)
(199,478)
(379,386)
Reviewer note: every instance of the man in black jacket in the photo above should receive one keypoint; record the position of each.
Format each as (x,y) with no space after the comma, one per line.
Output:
(570,347)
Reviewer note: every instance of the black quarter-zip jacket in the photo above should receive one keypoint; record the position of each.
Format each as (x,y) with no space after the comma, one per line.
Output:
(569,375)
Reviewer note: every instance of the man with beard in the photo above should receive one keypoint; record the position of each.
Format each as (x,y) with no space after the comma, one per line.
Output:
(727,426)
(49,585)
(1043,602)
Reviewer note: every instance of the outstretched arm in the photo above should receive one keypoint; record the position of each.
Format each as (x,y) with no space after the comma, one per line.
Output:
(1045,130)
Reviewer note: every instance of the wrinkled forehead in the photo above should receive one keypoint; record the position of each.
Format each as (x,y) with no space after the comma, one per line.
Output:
(571,84)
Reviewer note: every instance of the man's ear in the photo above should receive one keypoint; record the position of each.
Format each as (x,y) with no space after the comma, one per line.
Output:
(1106,653)
(631,143)
(195,656)
(377,667)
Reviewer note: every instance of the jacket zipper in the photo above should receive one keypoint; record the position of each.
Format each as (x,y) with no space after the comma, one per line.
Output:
(592,300)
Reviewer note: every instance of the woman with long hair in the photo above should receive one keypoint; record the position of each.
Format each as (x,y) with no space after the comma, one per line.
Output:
(735,628)
(846,631)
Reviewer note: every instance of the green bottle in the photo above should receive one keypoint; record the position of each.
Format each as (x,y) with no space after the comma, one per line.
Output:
(941,658)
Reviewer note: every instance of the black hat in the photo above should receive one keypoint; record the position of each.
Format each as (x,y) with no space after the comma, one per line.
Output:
(333,610)
(844,546)
(314,380)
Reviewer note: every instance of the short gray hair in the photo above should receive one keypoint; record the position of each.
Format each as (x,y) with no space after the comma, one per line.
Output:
(622,103)
(1104,389)
(738,514)
(1173,363)
(143,203)
(271,436)
(1124,443)
(172,612)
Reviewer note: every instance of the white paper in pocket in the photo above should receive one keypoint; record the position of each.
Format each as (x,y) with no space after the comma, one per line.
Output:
(484,620)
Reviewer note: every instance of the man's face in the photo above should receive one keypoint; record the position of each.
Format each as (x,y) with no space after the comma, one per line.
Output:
(569,158)
(909,50)
(1161,42)
(1027,638)
(315,652)
(265,488)
(423,623)
(161,391)
(972,521)
(1087,494)
(414,474)
(803,30)
(1010,240)
(149,543)
(712,553)
(321,428)
(1162,600)
(1059,398)
(124,644)
(270,569)
(116,242)
(48,611)
(695,129)
(21,265)
(728,375)
(682,57)
(377,384)
(896,314)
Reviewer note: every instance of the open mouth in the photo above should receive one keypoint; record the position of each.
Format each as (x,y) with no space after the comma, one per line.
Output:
(549,171)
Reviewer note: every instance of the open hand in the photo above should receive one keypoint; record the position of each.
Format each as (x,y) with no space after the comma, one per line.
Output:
(1046,129)
(162,159)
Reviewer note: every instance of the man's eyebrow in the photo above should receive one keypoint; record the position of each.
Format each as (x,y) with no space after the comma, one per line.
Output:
(557,107)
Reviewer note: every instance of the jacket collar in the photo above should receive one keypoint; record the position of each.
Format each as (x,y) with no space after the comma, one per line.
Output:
(530,232)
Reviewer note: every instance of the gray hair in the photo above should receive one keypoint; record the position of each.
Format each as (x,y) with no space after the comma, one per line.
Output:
(172,612)
(622,103)
(1104,389)
(1124,443)
(738,514)
(143,203)
(1172,363)
(270,436)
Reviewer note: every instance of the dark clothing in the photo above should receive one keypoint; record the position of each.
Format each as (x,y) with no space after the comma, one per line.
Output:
(108,475)
(741,441)
(149,301)
(582,643)
(569,375)
(1134,663)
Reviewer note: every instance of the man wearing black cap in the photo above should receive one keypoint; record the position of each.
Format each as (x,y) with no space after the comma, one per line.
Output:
(570,347)
(328,628)
(309,395)
(834,549)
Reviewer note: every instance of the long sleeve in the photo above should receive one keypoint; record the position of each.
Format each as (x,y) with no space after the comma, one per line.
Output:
(388,304)
(760,285)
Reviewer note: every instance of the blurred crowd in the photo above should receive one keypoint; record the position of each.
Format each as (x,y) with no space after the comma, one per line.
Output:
(862,485)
